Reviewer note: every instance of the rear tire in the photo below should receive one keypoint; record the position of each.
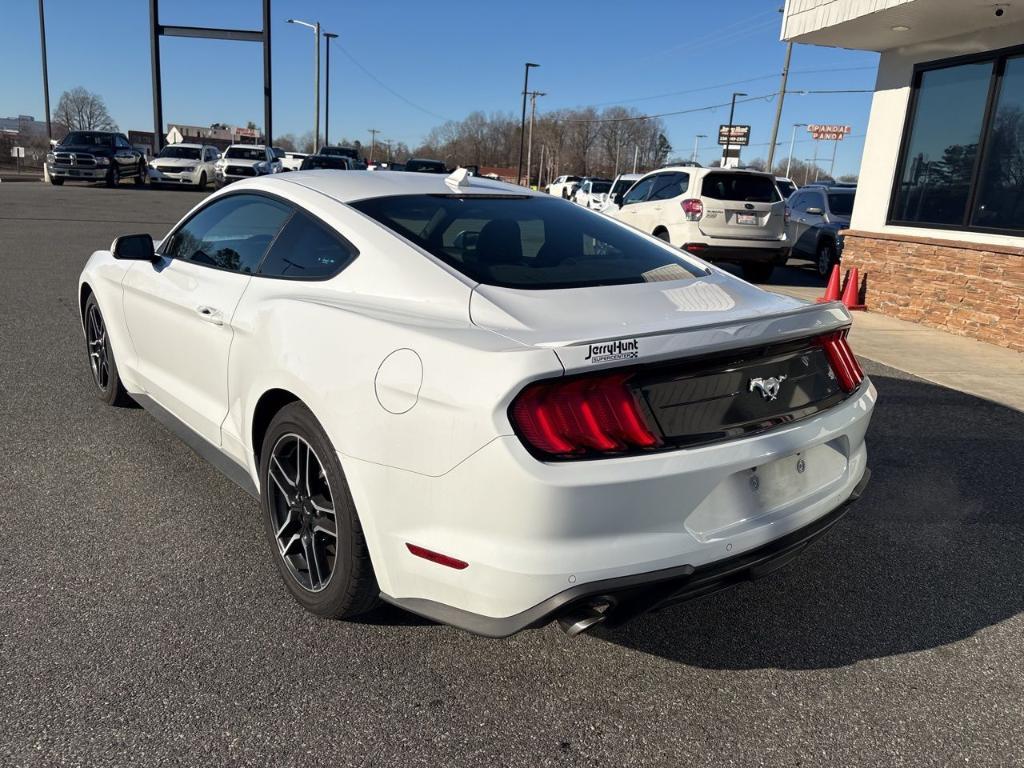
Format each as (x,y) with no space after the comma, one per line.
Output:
(825,259)
(758,272)
(328,574)
(101,357)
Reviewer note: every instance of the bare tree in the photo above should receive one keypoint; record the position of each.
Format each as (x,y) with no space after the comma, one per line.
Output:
(82,110)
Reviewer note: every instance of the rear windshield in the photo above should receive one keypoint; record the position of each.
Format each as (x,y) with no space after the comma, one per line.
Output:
(428,166)
(740,187)
(180,153)
(527,242)
(623,185)
(840,203)
(324,161)
(244,153)
(600,187)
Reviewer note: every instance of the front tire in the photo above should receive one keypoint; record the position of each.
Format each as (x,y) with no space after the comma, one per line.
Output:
(101,357)
(113,176)
(140,177)
(202,181)
(56,182)
(310,519)
(758,272)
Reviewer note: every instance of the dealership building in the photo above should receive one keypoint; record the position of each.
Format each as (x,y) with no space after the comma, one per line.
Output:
(938,223)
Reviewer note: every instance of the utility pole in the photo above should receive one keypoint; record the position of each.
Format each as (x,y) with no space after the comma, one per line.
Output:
(315,26)
(327,91)
(814,160)
(697,139)
(540,167)
(792,141)
(728,136)
(373,141)
(832,167)
(778,106)
(46,76)
(529,145)
(522,122)
(636,156)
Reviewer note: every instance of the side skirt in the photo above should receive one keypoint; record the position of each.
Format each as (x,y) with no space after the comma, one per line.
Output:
(228,467)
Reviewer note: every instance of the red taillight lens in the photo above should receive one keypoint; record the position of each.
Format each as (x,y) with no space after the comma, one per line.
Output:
(583,416)
(693,209)
(840,357)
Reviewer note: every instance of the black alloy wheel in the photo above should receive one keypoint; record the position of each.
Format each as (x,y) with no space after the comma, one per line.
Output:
(310,519)
(826,259)
(101,357)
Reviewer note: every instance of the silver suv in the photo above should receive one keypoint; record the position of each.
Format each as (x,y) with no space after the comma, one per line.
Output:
(718,214)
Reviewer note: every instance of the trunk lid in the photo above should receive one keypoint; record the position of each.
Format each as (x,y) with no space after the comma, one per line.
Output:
(645,322)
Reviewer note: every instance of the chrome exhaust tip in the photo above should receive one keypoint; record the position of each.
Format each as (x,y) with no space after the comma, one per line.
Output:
(580,620)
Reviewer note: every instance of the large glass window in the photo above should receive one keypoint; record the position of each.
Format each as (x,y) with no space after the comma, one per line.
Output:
(307,250)
(938,162)
(1000,200)
(962,166)
(527,242)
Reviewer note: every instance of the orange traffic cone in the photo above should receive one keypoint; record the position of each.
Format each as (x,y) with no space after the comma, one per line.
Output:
(851,296)
(832,291)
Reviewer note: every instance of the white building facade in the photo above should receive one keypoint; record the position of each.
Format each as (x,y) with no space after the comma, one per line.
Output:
(938,223)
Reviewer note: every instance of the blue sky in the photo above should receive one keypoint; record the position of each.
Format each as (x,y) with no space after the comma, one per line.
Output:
(447,58)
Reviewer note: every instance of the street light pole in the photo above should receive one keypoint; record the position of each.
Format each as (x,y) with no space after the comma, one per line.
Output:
(315,26)
(522,122)
(46,76)
(792,141)
(696,139)
(529,144)
(728,136)
(327,90)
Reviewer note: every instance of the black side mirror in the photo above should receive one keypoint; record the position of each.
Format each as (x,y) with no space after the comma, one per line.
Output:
(133,247)
(618,198)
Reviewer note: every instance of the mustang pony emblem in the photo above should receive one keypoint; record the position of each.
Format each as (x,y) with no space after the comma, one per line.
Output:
(769,387)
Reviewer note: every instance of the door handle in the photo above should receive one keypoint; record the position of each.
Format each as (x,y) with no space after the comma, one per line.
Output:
(211,315)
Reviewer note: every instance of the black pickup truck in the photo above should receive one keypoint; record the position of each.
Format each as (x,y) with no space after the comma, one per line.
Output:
(96,156)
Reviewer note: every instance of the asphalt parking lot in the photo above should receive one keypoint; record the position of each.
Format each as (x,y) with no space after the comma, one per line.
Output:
(143,622)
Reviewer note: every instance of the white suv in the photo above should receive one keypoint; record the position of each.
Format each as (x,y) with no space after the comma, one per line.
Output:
(191,164)
(718,214)
(243,161)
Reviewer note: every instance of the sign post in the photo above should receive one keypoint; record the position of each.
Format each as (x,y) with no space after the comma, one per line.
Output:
(19,153)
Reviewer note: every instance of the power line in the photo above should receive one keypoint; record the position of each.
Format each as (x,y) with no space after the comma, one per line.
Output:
(391,90)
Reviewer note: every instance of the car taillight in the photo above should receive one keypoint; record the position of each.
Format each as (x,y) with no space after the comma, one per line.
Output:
(581,417)
(840,357)
(693,209)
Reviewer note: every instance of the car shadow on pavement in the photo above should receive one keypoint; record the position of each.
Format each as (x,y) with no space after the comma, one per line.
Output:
(930,555)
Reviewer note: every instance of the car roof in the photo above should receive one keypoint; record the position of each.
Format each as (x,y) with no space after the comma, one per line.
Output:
(188,144)
(349,186)
(248,146)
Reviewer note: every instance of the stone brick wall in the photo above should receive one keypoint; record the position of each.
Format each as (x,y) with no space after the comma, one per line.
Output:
(969,289)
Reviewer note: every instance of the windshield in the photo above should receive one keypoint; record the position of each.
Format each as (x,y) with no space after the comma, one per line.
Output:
(527,242)
(621,186)
(180,153)
(840,203)
(245,153)
(740,187)
(88,138)
(600,187)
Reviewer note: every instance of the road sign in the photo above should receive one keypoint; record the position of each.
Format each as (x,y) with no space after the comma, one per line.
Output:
(18,152)
(174,136)
(734,135)
(820,132)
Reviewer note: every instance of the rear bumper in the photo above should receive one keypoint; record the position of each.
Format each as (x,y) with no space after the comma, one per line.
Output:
(737,254)
(630,596)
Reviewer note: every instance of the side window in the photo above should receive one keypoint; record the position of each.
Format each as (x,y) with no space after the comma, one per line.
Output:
(669,185)
(798,201)
(231,233)
(639,191)
(120,142)
(307,250)
(816,200)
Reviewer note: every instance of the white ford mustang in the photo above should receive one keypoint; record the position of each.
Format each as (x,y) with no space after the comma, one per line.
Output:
(485,405)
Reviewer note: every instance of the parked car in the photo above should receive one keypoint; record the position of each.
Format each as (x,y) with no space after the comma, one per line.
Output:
(242,161)
(562,186)
(292,161)
(593,193)
(421,165)
(620,186)
(786,186)
(408,372)
(189,164)
(331,162)
(339,152)
(95,156)
(816,217)
(719,214)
